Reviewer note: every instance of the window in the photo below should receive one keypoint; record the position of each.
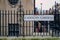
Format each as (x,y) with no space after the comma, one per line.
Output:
(13,29)
(13,2)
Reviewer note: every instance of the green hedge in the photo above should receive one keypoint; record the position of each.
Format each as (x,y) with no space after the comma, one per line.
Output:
(36,39)
(30,38)
(3,38)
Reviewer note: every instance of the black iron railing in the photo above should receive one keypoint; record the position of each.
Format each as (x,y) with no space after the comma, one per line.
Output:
(12,24)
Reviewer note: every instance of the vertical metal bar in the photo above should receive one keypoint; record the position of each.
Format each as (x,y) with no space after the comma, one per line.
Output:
(8,23)
(11,25)
(19,15)
(40,26)
(14,23)
(34,29)
(48,24)
(42,21)
(55,32)
(34,12)
(55,16)
(29,24)
(18,24)
(23,24)
(3,23)
(26,24)
(58,23)
(20,18)
(0,22)
(32,23)
(52,32)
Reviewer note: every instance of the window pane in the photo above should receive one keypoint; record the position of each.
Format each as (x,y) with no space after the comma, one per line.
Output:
(13,29)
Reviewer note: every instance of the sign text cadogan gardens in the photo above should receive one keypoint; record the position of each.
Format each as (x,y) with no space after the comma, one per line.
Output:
(38,17)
